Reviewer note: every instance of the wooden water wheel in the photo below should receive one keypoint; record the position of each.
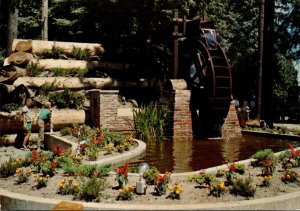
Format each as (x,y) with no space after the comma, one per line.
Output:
(205,67)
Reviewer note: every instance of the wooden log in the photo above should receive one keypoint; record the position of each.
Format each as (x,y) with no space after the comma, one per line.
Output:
(65,82)
(12,122)
(12,73)
(20,58)
(66,64)
(38,46)
(24,45)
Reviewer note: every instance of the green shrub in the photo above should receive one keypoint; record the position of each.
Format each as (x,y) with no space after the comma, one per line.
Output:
(9,168)
(53,53)
(47,87)
(150,175)
(151,121)
(261,155)
(34,69)
(87,170)
(91,189)
(9,107)
(78,72)
(243,187)
(65,131)
(81,54)
(67,99)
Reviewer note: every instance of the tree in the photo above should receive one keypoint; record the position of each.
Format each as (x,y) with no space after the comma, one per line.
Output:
(12,25)
(45,20)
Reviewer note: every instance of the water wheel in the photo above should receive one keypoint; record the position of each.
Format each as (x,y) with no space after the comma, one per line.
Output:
(206,69)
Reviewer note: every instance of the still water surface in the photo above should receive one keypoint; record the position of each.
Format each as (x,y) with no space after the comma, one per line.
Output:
(185,156)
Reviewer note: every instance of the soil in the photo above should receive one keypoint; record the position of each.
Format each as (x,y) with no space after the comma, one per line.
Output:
(192,192)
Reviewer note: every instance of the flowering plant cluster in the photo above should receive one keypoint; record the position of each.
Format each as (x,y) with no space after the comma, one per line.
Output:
(23,176)
(126,193)
(161,182)
(176,191)
(268,167)
(41,181)
(217,188)
(237,168)
(122,175)
(290,176)
(67,186)
(265,180)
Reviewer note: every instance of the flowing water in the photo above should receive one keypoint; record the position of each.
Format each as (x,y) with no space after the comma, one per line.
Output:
(185,156)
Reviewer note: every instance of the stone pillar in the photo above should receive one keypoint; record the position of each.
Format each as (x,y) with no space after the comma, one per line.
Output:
(177,98)
(231,127)
(104,108)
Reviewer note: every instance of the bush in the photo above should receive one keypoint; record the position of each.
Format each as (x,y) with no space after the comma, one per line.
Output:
(81,54)
(66,131)
(9,107)
(47,87)
(151,122)
(243,187)
(53,53)
(67,99)
(34,69)
(9,168)
(150,175)
(91,189)
(78,72)
(261,155)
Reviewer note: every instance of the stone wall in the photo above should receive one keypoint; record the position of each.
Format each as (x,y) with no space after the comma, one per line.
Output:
(231,127)
(104,111)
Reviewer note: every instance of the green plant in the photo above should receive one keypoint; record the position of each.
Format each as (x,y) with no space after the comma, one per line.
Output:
(65,131)
(47,87)
(150,175)
(34,69)
(203,178)
(81,54)
(237,167)
(217,188)
(151,121)
(243,187)
(87,170)
(126,194)
(49,168)
(9,167)
(9,107)
(54,53)
(175,191)
(68,187)
(22,176)
(261,155)
(78,72)
(41,181)
(220,173)
(92,153)
(268,167)
(161,182)
(67,99)
(91,189)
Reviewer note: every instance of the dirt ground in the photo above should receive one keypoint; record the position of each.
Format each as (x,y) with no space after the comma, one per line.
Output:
(192,192)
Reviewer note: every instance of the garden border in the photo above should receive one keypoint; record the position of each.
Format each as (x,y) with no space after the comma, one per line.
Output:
(16,201)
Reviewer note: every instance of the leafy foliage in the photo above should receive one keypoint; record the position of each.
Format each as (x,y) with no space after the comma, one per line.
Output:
(67,99)
(9,107)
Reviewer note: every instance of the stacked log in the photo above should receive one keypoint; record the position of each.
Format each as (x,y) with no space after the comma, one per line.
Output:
(38,46)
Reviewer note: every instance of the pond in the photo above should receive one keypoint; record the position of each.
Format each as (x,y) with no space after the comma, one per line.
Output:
(186,156)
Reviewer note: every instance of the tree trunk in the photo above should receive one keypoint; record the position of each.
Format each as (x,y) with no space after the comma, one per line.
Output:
(12,29)
(268,63)
(45,20)
(261,45)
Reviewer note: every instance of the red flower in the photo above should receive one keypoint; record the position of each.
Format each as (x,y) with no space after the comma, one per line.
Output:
(99,140)
(232,167)
(34,155)
(53,165)
(292,150)
(56,150)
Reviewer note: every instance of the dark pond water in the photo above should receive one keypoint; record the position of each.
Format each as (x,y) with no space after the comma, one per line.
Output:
(184,156)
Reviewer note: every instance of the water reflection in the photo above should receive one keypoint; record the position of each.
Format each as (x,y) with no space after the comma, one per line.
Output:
(183,156)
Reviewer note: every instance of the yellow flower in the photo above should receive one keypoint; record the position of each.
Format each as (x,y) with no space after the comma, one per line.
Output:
(180,188)
(177,192)
(41,178)
(61,185)
(260,178)
(70,179)
(222,185)
(63,180)
(298,179)
(76,185)
(170,188)
(35,175)
(29,171)
(47,176)
(121,190)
